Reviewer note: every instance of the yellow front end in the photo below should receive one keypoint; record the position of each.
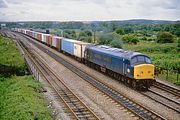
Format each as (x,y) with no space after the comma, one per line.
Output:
(144,71)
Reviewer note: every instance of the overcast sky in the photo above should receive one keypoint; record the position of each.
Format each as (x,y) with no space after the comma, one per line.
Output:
(88,10)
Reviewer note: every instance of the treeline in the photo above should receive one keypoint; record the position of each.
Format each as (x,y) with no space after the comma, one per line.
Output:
(106,26)
(110,32)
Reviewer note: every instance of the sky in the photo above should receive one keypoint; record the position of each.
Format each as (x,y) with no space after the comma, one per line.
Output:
(88,10)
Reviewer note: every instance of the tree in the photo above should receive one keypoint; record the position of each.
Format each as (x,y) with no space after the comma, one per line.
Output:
(128,30)
(112,39)
(88,33)
(85,36)
(144,38)
(178,44)
(70,34)
(177,29)
(105,39)
(117,43)
(164,37)
(131,39)
(120,31)
(113,26)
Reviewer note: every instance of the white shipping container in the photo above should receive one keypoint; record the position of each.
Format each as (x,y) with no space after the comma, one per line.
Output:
(79,49)
(54,41)
(34,34)
(27,31)
(44,38)
(24,31)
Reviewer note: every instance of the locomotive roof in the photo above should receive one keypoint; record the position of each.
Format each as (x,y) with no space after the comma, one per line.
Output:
(115,51)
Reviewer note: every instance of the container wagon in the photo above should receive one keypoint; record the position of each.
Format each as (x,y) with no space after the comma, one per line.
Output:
(56,42)
(67,45)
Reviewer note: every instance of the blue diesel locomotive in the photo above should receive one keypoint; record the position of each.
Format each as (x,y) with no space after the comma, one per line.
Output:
(132,68)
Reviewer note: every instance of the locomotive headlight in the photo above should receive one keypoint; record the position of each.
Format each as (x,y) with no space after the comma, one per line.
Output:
(128,70)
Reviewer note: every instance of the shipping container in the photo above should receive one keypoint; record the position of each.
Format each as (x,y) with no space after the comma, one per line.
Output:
(31,33)
(39,36)
(49,40)
(56,42)
(79,49)
(27,32)
(67,45)
(23,31)
(44,38)
(34,34)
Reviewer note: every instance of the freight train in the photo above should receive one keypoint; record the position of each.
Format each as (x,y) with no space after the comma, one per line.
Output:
(132,68)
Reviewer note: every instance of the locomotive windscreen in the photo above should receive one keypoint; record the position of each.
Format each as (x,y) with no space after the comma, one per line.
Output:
(140,59)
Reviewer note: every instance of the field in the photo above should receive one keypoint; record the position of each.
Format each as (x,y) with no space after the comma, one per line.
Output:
(165,56)
(20,94)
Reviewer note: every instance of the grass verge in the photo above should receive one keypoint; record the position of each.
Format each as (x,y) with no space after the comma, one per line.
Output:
(19,92)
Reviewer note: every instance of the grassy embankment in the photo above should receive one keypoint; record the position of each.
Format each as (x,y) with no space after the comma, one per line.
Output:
(162,55)
(19,93)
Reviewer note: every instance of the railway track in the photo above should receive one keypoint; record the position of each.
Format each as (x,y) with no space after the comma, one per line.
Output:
(162,99)
(77,108)
(166,101)
(135,108)
(169,89)
(165,95)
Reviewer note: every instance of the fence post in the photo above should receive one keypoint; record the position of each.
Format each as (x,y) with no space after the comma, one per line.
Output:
(167,74)
(177,76)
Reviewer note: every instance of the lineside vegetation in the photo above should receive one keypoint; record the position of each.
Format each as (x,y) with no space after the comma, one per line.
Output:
(20,97)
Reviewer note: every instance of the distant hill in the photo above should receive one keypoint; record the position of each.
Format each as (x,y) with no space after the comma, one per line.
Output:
(143,21)
(150,21)
(93,25)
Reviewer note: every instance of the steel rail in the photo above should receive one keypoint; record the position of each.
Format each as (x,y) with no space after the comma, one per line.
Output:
(76,116)
(168,89)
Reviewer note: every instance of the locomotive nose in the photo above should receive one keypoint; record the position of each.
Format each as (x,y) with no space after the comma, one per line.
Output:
(144,71)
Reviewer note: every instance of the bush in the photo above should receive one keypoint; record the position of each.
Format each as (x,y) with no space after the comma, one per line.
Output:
(112,39)
(128,30)
(70,34)
(177,29)
(85,36)
(131,39)
(120,31)
(178,44)
(88,33)
(86,39)
(164,37)
(150,39)
(144,38)
(105,39)
(117,43)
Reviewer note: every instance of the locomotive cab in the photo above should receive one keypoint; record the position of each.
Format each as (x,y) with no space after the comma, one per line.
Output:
(143,70)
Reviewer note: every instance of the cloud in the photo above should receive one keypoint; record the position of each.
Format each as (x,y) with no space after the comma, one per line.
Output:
(163,9)
(63,10)
(3,4)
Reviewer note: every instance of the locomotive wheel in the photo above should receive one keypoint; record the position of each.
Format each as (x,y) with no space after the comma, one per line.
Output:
(134,84)
(146,86)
